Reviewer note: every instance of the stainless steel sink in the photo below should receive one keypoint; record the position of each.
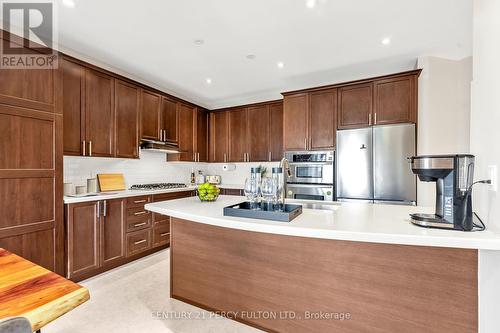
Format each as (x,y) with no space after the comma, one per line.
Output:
(320,206)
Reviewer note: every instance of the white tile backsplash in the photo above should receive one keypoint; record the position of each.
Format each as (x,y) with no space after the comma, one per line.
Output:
(151,168)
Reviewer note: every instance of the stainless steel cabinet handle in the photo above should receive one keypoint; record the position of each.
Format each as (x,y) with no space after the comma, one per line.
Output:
(83,147)
(369,119)
(90,148)
(160,135)
(270,156)
(225,157)
(140,213)
(140,201)
(164,135)
(105,208)
(198,158)
(375,118)
(140,242)
(98,213)
(310,143)
(139,224)
(164,234)
(305,143)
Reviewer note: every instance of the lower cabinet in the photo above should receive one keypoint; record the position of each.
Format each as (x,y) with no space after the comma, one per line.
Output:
(108,233)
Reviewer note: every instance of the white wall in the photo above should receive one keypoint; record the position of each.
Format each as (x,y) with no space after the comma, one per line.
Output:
(150,168)
(485,112)
(444,112)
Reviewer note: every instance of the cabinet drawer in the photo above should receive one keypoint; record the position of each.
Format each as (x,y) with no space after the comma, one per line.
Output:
(139,201)
(161,219)
(161,234)
(138,242)
(137,213)
(172,195)
(143,222)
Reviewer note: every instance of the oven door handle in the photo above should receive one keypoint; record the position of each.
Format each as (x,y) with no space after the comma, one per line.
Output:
(310,163)
(327,186)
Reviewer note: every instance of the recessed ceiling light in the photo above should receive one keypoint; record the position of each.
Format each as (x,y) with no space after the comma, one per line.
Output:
(208,80)
(199,41)
(310,3)
(251,56)
(68,3)
(280,64)
(386,41)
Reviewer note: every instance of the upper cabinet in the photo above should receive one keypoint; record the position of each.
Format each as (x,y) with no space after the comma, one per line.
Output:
(395,100)
(201,137)
(310,120)
(150,115)
(169,116)
(186,132)
(247,134)
(218,141)
(127,97)
(355,106)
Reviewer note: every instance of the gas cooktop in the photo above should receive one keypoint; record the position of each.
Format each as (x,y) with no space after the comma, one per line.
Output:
(157,186)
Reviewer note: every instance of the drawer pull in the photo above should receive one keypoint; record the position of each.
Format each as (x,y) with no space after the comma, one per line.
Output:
(139,224)
(140,242)
(140,213)
(140,201)
(164,234)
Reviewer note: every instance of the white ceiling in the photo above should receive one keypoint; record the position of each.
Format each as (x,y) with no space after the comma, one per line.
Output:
(153,41)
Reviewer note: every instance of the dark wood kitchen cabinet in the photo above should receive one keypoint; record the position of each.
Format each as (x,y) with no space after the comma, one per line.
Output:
(95,236)
(99,114)
(201,144)
(83,228)
(238,141)
(169,116)
(322,119)
(258,127)
(276,131)
(150,115)
(127,103)
(395,100)
(218,136)
(355,106)
(295,121)
(73,107)
(310,120)
(112,231)
(187,132)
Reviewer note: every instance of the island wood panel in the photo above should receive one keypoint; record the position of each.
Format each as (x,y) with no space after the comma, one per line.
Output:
(33,292)
(383,287)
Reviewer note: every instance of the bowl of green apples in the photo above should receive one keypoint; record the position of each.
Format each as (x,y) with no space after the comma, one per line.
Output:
(208,192)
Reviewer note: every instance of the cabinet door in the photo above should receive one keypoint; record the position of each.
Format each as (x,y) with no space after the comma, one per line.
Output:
(150,115)
(295,122)
(99,112)
(83,237)
(186,132)
(170,119)
(218,136)
(73,107)
(395,100)
(127,119)
(112,231)
(322,119)
(237,135)
(202,135)
(276,131)
(258,133)
(355,106)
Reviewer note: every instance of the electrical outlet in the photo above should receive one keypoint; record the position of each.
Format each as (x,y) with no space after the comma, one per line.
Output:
(493,175)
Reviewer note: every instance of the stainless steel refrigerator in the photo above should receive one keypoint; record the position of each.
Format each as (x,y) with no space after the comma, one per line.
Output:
(372,164)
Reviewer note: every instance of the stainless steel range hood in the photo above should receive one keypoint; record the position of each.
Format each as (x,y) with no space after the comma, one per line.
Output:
(160,146)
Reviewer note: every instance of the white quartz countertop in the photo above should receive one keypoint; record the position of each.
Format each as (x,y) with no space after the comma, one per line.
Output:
(377,223)
(123,194)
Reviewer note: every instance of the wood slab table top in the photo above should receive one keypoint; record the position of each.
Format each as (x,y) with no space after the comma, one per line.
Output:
(31,291)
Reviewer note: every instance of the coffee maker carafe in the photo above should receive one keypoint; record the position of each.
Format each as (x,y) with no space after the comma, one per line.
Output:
(453,175)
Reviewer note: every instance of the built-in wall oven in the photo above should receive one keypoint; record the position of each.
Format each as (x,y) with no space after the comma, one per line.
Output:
(312,175)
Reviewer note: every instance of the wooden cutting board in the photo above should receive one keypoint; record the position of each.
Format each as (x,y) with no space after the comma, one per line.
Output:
(111,181)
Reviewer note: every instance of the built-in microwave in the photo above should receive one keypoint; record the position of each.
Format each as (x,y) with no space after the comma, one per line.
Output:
(311,167)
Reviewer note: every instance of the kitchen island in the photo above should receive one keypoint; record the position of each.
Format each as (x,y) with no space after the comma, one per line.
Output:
(352,268)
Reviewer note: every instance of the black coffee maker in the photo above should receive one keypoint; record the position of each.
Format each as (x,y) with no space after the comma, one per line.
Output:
(453,175)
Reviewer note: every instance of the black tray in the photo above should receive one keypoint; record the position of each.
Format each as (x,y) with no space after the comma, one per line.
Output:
(242,209)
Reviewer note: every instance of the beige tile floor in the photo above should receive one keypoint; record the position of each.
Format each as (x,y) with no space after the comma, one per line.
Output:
(126,299)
